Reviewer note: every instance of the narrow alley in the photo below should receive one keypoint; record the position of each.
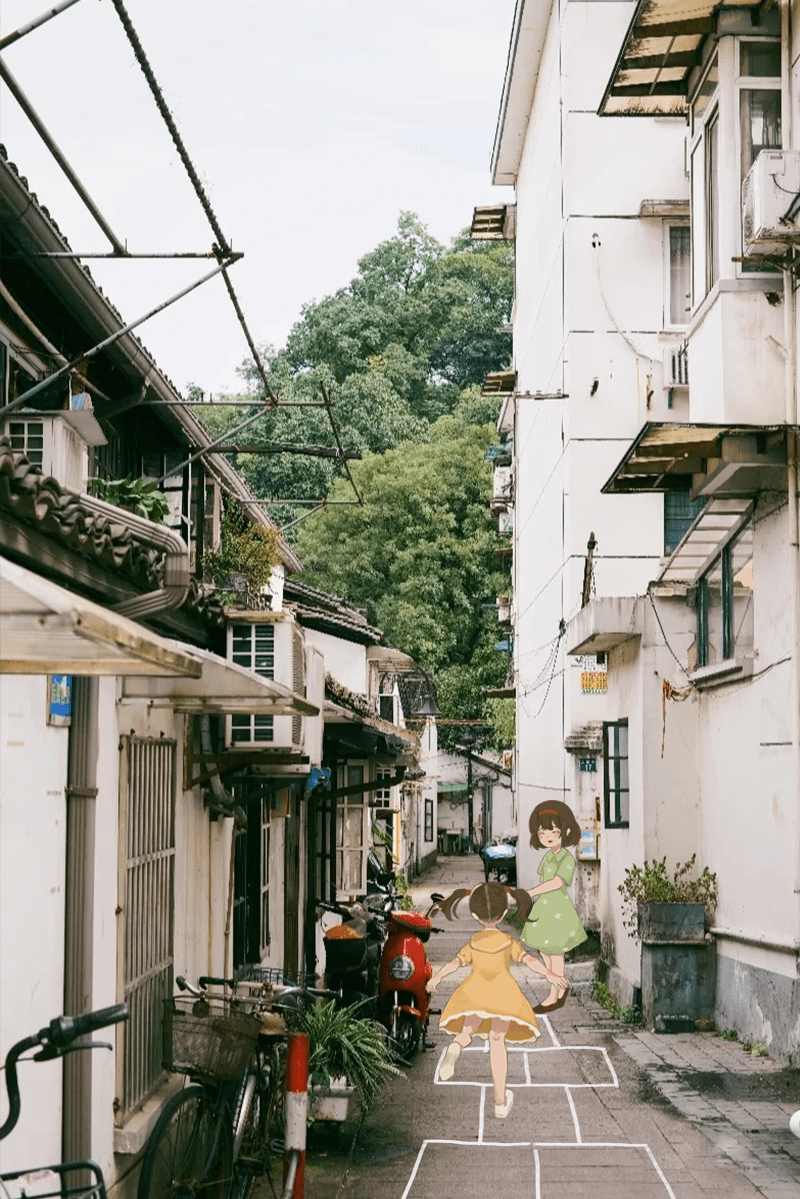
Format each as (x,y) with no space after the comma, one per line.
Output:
(600,1108)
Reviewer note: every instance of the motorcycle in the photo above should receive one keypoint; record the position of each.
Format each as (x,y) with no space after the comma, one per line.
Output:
(403,1000)
(353,950)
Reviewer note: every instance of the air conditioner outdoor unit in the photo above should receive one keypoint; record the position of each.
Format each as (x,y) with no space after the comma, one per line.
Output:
(276,650)
(676,366)
(502,484)
(771,203)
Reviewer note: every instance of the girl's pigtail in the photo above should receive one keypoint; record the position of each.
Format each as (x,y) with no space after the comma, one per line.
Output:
(449,905)
(523,901)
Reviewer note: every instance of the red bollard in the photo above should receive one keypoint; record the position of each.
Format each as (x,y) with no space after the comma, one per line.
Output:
(294,1154)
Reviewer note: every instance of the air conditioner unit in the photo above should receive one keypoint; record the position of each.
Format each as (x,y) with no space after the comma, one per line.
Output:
(676,366)
(275,649)
(502,484)
(771,203)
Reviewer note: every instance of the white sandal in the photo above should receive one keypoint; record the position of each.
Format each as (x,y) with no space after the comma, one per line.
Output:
(448,1066)
(502,1112)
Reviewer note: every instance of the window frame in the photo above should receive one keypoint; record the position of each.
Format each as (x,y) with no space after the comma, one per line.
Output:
(668,225)
(239,723)
(618,791)
(723,560)
(344,805)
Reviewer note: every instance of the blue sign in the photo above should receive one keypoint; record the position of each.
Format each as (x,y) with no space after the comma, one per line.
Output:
(59,700)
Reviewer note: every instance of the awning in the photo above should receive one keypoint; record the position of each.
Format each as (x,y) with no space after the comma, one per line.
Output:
(219,687)
(661,50)
(46,629)
(740,459)
(719,521)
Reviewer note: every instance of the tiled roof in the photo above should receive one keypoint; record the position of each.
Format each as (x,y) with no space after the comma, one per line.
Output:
(40,500)
(330,613)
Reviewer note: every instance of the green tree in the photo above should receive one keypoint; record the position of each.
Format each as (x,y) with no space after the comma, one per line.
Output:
(419,555)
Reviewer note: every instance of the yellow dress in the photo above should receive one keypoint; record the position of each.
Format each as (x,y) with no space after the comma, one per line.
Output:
(491,990)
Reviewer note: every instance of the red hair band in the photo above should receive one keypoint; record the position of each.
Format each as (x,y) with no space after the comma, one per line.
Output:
(548,812)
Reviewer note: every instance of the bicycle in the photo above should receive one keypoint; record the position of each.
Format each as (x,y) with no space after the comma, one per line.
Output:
(215,1136)
(55,1041)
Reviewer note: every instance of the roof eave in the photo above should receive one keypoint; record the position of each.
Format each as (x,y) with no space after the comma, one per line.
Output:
(522,69)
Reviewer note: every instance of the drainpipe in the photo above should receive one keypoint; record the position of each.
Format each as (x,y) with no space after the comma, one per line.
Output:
(792,464)
(79,913)
(177,576)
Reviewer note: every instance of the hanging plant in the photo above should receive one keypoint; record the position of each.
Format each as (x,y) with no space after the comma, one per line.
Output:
(246,549)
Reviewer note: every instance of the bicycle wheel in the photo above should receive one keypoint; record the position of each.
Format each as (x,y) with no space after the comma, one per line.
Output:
(276,1114)
(251,1136)
(189,1153)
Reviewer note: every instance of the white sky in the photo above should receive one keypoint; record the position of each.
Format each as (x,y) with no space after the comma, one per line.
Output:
(312,124)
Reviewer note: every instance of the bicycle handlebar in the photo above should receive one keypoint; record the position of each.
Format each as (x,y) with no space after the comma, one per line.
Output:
(56,1040)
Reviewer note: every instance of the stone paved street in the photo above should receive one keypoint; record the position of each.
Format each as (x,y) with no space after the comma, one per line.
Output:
(600,1108)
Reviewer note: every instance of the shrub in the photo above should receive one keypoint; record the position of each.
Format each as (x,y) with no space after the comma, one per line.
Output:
(652,883)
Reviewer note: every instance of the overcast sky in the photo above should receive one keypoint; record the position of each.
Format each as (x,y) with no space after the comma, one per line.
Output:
(312,124)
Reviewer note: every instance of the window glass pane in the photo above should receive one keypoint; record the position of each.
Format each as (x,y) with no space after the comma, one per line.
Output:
(760,60)
(698,225)
(714,636)
(680,283)
(760,115)
(712,203)
(707,89)
(680,513)
(624,808)
(622,732)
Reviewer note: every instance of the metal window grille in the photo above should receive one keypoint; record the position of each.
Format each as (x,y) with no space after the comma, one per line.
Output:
(253,647)
(298,681)
(148,878)
(27,437)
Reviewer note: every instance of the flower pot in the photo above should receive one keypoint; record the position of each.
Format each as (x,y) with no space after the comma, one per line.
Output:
(671,922)
(332,1101)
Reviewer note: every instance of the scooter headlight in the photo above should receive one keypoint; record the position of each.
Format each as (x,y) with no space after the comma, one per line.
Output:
(401,968)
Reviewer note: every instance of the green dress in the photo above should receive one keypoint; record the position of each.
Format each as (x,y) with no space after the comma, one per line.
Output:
(553,925)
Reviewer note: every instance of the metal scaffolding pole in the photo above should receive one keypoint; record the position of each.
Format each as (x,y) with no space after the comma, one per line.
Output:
(107,341)
(105,254)
(232,403)
(313,451)
(207,448)
(327,400)
(10,38)
(44,134)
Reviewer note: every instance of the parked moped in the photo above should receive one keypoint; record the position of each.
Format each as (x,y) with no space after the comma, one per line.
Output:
(353,950)
(403,1000)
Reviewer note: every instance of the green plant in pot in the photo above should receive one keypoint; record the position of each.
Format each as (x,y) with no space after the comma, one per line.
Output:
(345,1045)
(668,913)
(247,554)
(652,885)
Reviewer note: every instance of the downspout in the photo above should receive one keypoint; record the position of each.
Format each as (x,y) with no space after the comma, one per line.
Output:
(79,911)
(177,575)
(792,468)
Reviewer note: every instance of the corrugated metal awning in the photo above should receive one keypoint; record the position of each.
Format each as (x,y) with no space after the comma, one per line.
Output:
(45,629)
(221,687)
(661,49)
(716,524)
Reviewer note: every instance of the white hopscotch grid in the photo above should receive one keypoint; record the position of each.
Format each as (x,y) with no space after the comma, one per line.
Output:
(578,1143)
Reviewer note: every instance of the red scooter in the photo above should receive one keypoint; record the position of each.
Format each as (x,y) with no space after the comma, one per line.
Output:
(403,1000)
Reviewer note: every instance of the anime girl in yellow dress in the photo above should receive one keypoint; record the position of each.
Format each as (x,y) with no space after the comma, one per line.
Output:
(489,1003)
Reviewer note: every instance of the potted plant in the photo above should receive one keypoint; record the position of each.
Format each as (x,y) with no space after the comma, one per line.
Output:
(669,914)
(243,564)
(348,1056)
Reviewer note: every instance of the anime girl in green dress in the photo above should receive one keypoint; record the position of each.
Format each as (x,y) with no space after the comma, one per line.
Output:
(553,926)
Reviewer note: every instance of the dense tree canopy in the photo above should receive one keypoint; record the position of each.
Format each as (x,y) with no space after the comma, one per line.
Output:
(400,350)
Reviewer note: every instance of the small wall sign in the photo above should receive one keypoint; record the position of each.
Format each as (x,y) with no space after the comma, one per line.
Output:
(588,765)
(59,699)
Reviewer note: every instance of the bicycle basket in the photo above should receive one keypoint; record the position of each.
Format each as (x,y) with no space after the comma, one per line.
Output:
(207,1037)
(271,974)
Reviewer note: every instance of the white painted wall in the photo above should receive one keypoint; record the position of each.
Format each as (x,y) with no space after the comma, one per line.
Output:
(33,776)
(345,660)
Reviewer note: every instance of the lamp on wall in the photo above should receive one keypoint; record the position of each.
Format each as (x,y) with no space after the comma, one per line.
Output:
(428,708)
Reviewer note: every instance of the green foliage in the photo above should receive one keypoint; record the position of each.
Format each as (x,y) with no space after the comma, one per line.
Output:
(602,995)
(145,499)
(246,549)
(342,1042)
(730,1034)
(419,556)
(404,901)
(652,883)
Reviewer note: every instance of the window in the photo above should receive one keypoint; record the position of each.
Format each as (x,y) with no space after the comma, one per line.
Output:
(386,708)
(724,602)
(759,85)
(147,824)
(679,274)
(351,832)
(615,781)
(384,794)
(253,647)
(680,513)
(428,819)
(176,487)
(27,437)
(251,876)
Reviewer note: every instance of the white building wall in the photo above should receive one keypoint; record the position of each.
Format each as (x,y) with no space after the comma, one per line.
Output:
(32,833)
(588,326)
(345,660)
